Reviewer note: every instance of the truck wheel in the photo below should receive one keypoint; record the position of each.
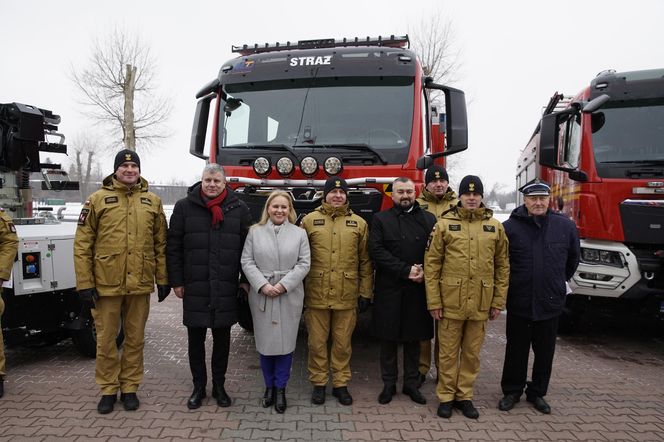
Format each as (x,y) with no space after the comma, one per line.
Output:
(85,340)
(571,320)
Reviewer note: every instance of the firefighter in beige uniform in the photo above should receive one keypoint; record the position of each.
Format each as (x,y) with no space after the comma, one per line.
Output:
(339,281)
(119,252)
(466,271)
(8,248)
(436,198)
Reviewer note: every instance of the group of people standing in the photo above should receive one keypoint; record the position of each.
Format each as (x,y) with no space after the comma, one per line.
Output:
(443,267)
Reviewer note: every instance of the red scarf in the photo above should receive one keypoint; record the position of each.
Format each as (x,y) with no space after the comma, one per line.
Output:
(214,206)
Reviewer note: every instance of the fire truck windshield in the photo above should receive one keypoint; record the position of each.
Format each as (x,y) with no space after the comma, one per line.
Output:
(628,134)
(376,112)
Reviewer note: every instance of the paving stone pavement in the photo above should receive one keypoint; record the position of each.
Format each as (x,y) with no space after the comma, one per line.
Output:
(606,386)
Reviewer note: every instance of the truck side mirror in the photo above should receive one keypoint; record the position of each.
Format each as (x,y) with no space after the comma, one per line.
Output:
(549,149)
(199,128)
(548,143)
(456,127)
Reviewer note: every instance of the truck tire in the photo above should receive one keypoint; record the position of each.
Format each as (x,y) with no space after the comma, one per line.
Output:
(572,319)
(85,340)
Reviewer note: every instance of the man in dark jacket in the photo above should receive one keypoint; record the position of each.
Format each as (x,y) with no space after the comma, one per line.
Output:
(544,254)
(397,242)
(205,240)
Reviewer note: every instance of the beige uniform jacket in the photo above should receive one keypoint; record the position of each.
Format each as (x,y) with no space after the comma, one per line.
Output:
(437,206)
(466,266)
(120,244)
(340,265)
(8,245)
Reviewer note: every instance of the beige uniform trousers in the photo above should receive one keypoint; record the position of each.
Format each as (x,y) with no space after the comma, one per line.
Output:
(425,351)
(459,360)
(114,371)
(320,323)
(2,342)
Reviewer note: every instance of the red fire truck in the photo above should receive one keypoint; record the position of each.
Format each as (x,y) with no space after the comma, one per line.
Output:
(289,115)
(603,153)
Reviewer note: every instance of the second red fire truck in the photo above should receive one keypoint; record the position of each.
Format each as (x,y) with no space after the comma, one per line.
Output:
(603,153)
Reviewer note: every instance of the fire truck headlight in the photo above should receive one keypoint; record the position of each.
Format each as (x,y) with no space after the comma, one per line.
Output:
(309,165)
(601,257)
(285,166)
(332,166)
(261,166)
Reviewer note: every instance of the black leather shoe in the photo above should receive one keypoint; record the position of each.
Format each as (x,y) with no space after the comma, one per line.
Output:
(467,408)
(268,397)
(343,395)
(421,379)
(385,396)
(196,398)
(219,393)
(105,404)
(280,400)
(414,395)
(130,401)
(508,401)
(540,404)
(318,395)
(445,410)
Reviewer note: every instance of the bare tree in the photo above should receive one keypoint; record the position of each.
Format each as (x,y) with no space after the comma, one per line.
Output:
(84,145)
(433,40)
(119,86)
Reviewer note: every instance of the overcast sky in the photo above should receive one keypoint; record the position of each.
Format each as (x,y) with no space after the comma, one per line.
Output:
(515,54)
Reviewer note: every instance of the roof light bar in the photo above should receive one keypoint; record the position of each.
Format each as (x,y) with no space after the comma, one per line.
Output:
(392,42)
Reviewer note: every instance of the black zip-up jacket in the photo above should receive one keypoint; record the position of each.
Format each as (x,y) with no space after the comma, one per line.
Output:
(205,259)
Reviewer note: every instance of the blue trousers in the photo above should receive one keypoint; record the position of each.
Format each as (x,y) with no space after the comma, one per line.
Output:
(276,370)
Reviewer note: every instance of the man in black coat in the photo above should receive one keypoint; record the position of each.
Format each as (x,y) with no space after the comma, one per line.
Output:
(205,240)
(544,254)
(397,242)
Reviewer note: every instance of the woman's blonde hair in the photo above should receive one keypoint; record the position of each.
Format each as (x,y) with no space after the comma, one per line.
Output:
(291,210)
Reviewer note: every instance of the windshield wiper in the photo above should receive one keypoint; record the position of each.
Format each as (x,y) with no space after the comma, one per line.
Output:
(277,146)
(348,146)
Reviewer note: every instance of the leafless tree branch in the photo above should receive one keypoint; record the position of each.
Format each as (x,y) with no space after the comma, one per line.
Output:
(117,88)
(433,41)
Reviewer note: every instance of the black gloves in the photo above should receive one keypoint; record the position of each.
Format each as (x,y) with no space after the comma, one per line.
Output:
(88,297)
(363,304)
(163,291)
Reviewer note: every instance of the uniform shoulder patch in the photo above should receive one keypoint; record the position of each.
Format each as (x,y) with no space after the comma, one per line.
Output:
(111,200)
(489,228)
(319,222)
(351,223)
(145,200)
(83,216)
(455,227)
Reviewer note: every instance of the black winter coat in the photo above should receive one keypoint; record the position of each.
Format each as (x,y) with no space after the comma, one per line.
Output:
(397,240)
(205,259)
(543,256)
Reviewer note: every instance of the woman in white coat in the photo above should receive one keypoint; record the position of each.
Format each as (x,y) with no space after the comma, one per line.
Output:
(275,260)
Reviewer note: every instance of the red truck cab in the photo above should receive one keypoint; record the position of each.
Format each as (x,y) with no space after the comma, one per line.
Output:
(290,115)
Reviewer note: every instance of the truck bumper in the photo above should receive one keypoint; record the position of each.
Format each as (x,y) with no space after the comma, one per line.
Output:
(627,282)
